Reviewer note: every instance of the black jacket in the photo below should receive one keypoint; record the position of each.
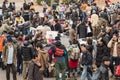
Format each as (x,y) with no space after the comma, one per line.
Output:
(82,31)
(58,27)
(87,58)
(27,51)
(101,52)
(104,72)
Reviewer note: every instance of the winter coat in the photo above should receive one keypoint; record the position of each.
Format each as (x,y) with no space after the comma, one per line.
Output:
(58,27)
(27,51)
(107,38)
(34,72)
(43,59)
(5,54)
(60,46)
(74,16)
(102,51)
(104,75)
(111,46)
(82,31)
(72,34)
(87,58)
(104,16)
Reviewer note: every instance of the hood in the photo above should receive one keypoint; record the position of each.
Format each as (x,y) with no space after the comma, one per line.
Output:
(26,43)
(37,63)
(43,51)
(58,43)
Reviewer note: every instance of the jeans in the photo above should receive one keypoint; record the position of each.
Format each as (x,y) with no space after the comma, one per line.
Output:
(85,74)
(19,65)
(12,66)
(27,30)
(96,75)
(21,29)
(61,15)
(25,67)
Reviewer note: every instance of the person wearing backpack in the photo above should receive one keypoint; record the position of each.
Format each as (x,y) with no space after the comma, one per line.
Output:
(102,73)
(74,53)
(33,71)
(60,58)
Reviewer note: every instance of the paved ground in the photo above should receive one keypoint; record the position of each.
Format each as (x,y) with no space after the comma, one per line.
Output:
(19,77)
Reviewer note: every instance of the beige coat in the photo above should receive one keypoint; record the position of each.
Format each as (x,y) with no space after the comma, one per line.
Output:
(43,54)
(5,54)
(111,45)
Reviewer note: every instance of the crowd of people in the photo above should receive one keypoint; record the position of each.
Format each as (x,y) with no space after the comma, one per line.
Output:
(93,33)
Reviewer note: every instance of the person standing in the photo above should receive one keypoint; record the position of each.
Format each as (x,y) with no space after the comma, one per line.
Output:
(82,30)
(60,59)
(33,70)
(4,7)
(9,58)
(102,73)
(43,59)
(72,34)
(86,63)
(27,55)
(2,37)
(114,45)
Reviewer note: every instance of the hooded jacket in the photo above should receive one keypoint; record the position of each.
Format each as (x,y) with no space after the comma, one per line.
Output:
(60,46)
(34,72)
(27,51)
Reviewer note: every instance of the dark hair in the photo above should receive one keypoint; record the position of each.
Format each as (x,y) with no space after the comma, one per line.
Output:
(84,45)
(9,39)
(27,38)
(73,26)
(89,40)
(38,44)
(105,58)
(35,55)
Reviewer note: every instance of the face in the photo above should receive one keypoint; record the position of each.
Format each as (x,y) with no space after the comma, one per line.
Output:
(83,49)
(9,43)
(37,48)
(107,63)
(115,38)
(100,43)
(38,58)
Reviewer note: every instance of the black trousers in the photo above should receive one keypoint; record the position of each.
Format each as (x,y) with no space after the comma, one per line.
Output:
(13,68)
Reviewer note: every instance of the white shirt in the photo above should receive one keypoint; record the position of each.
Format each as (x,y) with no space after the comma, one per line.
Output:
(88,30)
(10,55)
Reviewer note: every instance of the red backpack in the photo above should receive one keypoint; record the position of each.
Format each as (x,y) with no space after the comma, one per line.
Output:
(59,52)
(118,70)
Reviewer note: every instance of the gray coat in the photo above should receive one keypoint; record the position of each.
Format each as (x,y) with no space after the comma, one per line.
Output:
(34,72)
